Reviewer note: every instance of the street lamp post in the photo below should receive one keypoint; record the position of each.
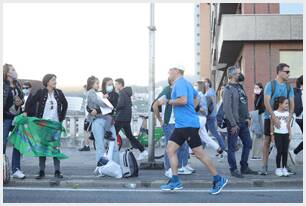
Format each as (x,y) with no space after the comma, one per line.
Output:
(152,30)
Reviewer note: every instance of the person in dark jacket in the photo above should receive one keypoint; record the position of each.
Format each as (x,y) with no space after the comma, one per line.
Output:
(235,102)
(13,99)
(257,121)
(27,90)
(298,110)
(52,105)
(259,98)
(124,116)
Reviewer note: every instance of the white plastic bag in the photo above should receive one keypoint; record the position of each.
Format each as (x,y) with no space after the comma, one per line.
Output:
(111,169)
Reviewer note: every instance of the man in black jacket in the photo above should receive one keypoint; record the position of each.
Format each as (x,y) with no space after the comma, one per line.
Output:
(124,116)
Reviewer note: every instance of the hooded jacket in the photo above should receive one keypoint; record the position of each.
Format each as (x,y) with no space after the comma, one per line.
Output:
(124,106)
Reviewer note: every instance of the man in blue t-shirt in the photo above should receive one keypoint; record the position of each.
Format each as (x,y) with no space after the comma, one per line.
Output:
(183,100)
(280,89)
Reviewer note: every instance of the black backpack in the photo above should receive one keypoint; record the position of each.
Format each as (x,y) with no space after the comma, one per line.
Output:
(298,104)
(128,164)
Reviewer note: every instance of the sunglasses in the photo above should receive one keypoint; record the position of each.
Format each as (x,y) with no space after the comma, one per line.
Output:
(287,72)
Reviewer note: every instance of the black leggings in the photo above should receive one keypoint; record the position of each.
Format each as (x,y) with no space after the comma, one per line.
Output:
(126,126)
(300,147)
(282,145)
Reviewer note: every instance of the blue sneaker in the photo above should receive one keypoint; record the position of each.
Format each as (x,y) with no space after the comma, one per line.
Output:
(218,186)
(171,185)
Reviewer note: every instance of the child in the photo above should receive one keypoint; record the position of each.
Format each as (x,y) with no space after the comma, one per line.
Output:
(282,135)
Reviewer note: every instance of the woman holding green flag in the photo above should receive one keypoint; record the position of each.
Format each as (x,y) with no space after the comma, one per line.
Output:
(12,102)
(51,105)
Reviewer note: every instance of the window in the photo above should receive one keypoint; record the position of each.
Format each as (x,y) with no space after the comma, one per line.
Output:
(295,60)
(290,8)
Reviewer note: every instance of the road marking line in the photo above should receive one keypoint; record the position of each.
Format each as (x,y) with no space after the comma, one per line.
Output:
(148,190)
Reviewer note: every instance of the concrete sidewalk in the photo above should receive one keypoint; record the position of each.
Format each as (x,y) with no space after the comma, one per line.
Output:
(78,173)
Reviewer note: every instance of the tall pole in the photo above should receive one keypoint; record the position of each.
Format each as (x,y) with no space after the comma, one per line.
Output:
(152,30)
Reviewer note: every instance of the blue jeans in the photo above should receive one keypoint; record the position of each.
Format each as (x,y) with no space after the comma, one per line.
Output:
(246,140)
(182,152)
(98,129)
(7,124)
(211,126)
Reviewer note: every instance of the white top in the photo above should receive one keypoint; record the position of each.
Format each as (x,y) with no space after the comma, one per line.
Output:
(109,108)
(50,111)
(283,118)
(172,118)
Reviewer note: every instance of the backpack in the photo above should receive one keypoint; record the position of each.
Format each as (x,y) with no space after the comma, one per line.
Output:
(298,104)
(273,85)
(210,105)
(128,164)
(221,117)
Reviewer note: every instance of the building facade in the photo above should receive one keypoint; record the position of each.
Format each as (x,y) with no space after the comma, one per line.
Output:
(254,36)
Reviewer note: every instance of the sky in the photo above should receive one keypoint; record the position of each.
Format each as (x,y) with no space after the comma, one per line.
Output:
(77,40)
(286,8)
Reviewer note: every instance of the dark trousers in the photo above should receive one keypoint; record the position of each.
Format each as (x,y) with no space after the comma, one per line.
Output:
(126,126)
(282,145)
(42,163)
(244,135)
(300,147)
(7,124)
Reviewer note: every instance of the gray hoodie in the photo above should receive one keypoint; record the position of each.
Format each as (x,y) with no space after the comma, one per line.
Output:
(94,102)
(234,110)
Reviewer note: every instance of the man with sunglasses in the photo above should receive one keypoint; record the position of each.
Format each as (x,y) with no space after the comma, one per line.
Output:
(275,88)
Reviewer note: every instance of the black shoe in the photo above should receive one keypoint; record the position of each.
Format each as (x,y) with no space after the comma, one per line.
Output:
(236,173)
(109,136)
(58,174)
(248,171)
(40,175)
(85,148)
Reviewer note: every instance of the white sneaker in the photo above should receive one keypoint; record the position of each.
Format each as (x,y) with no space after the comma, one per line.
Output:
(190,168)
(168,173)
(285,172)
(96,171)
(292,157)
(18,174)
(279,172)
(143,155)
(183,171)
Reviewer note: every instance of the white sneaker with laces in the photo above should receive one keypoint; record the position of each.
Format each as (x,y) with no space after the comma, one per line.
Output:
(168,173)
(190,168)
(183,171)
(18,174)
(143,155)
(285,172)
(279,172)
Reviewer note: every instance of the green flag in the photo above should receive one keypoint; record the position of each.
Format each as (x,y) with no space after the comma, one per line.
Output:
(37,137)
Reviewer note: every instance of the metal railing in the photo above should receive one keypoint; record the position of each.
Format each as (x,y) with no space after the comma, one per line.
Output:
(74,125)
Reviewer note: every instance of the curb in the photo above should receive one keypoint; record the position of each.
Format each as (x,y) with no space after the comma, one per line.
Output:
(125,183)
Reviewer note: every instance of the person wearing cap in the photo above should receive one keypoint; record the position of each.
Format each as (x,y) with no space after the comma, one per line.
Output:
(51,105)
(183,100)
(238,121)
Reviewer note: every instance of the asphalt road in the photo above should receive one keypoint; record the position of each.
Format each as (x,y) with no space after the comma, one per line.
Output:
(228,195)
